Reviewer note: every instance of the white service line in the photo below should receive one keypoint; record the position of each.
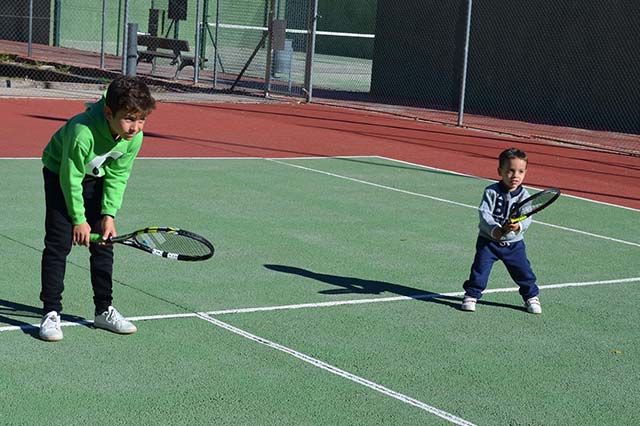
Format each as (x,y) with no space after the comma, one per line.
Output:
(377,185)
(417,194)
(329,304)
(422,166)
(590,234)
(337,371)
(413,297)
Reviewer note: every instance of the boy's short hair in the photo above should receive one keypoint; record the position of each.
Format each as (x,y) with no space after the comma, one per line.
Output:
(129,94)
(511,153)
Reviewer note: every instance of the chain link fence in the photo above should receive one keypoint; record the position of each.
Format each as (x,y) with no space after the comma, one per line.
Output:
(571,65)
(566,65)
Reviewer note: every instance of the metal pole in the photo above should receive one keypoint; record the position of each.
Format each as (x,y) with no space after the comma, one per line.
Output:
(196,56)
(30,28)
(56,23)
(125,42)
(267,76)
(215,46)
(132,49)
(311,47)
(463,83)
(118,29)
(104,29)
(203,31)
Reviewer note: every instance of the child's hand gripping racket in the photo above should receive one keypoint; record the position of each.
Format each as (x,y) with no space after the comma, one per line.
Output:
(172,243)
(532,205)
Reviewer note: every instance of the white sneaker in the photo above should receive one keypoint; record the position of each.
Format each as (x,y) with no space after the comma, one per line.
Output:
(112,320)
(533,306)
(469,304)
(50,327)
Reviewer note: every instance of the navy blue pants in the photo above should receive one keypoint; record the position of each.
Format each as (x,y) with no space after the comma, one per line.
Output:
(57,245)
(514,257)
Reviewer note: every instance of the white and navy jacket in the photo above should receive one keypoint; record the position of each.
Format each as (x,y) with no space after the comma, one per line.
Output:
(497,202)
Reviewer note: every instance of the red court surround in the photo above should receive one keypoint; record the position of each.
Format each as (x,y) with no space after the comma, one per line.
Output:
(297,130)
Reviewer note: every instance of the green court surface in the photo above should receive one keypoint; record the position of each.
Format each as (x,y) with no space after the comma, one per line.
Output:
(332,299)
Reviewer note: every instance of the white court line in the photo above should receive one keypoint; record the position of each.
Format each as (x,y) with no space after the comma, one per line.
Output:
(337,371)
(330,304)
(345,157)
(492,180)
(443,200)
(417,296)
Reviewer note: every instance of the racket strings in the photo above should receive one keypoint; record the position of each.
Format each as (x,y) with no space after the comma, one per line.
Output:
(537,202)
(174,243)
(542,200)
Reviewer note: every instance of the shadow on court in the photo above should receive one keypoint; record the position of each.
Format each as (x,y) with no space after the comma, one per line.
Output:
(26,317)
(353,285)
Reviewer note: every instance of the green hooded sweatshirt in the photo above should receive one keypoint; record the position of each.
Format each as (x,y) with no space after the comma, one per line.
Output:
(84,147)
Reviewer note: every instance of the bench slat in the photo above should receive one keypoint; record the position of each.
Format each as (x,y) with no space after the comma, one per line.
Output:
(176,46)
(163,43)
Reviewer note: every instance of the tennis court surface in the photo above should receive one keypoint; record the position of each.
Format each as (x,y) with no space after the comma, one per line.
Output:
(333,297)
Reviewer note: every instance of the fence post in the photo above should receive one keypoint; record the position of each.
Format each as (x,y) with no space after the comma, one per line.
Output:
(215,46)
(463,83)
(311,47)
(104,29)
(30,41)
(198,41)
(132,49)
(56,23)
(267,75)
(124,37)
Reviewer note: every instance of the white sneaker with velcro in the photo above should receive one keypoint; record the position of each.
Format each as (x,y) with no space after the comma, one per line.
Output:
(533,305)
(469,304)
(112,320)
(50,330)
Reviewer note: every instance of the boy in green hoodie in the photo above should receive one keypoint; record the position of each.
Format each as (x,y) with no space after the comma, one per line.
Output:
(86,167)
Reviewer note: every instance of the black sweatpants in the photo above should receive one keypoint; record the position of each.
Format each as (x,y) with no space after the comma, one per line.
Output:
(57,244)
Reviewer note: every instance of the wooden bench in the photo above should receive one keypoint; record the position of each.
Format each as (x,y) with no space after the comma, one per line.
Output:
(166,48)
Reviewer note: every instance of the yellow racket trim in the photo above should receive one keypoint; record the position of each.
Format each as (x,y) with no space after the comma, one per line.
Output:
(517,219)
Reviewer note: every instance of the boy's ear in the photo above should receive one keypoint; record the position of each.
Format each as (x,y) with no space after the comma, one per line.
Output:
(107,112)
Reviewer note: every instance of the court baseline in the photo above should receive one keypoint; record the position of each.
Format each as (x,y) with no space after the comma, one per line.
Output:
(331,304)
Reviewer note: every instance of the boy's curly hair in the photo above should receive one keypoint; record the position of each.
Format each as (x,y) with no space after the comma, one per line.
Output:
(129,94)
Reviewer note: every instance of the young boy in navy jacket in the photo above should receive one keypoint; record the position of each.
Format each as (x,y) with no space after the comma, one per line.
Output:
(500,241)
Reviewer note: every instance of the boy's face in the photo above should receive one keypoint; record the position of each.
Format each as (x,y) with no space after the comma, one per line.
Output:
(124,124)
(512,172)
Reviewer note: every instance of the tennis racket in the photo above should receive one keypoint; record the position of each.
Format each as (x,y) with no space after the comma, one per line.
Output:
(534,204)
(172,243)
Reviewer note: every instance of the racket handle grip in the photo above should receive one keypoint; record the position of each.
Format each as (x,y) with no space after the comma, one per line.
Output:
(95,238)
